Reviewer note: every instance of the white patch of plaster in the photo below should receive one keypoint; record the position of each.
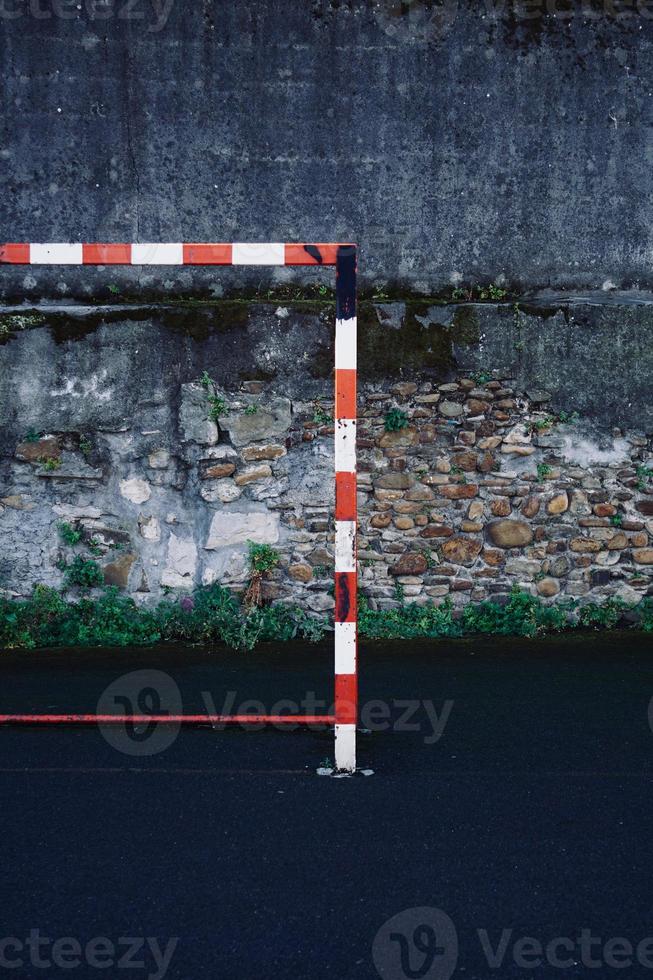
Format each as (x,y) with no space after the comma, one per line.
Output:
(149,527)
(135,490)
(182,556)
(85,388)
(159,460)
(585,449)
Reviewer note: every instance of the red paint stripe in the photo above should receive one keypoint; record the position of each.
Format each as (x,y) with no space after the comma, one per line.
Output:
(98,254)
(345,496)
(207,254)
(345,611)
(307,254)
(15,254)
(345,407)
(346,699)
(166,719)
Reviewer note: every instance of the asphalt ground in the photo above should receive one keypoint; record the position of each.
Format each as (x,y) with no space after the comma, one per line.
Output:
(510,798)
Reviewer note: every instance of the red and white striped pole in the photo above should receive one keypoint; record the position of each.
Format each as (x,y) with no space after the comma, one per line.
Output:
(344,257)
(346,704)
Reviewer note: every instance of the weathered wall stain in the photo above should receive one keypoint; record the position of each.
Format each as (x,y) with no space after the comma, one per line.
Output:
(451,140)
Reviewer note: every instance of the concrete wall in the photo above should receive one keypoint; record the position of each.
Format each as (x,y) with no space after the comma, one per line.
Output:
(465,139)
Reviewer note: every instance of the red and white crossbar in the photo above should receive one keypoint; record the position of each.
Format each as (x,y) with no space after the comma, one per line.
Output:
(170,253)
(344,258)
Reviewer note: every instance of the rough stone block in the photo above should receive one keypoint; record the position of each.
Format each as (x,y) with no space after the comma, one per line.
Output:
(238,527)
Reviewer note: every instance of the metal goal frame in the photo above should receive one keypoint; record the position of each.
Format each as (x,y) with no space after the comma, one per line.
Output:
(344,256)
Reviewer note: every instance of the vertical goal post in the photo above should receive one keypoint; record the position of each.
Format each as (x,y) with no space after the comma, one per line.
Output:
(344,257)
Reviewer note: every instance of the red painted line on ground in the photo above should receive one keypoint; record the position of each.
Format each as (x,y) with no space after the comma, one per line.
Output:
(206,719)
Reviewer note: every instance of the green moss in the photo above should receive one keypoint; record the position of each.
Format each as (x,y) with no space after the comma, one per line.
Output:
(13,323)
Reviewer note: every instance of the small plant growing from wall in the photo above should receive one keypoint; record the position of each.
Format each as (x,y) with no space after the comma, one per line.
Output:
(644,474)
(567,418)
(50,463)
(85,446)
(543,470)
(251,409)
(492,292)
(481,293)
(69,535)
(548,421)
(217,404)
(320,415)
(262,560)
(82,572)
(395,419)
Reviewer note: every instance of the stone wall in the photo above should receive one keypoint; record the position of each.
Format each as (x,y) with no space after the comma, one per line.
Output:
(481,485)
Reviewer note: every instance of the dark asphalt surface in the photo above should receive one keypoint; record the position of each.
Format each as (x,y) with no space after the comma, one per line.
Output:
(531,813)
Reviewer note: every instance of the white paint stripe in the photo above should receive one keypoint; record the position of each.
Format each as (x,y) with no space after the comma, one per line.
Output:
(346,747)
(56,253)
(158,253)
(345,546)
(345,641)
(263,253)
(346,344)
(345,439)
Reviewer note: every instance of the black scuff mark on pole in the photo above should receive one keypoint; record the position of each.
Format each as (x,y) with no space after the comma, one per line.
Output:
(343,597)
(314,253)
(346,282)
